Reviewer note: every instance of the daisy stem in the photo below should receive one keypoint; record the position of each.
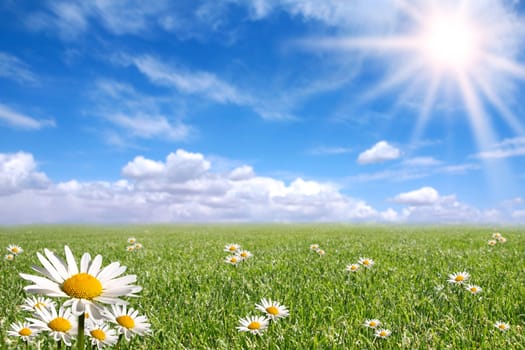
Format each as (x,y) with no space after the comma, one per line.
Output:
(80,336)
(117,346)
(59,345)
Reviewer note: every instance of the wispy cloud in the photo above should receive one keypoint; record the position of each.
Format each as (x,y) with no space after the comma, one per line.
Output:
(513,147)
(13,68)
(21,121)
(137,115)
(329,150)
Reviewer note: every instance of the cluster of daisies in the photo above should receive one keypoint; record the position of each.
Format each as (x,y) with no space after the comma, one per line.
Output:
(315,248)
(496,238)
(367,263)
(93,306)
(13,250)
(272,310)
(378,331)
(460,279)
(237,254)
(133,245)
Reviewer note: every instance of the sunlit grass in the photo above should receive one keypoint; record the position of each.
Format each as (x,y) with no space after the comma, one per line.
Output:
(194,300)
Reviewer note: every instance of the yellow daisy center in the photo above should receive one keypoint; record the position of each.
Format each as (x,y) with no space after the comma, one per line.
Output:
(25,332)
(59,324)
(372,324)
(39,305)
(502,326)
(98,334)
(232,248)
(15,250)
(126,321)
(366,262)
(233,260)
(383,333)
(244,254)
(473,289)
(353,267)
(272,310)
(254,325)
(82,286)
(459,278)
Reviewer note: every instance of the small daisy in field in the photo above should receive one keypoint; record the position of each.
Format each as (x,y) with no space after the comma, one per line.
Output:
(138,246)
(86,288)
(473,289)
(496,235)
(382,333)
(101,334)
(233,259)
(62,326)
(15,249)
(321,252)
(314,247)
(374,323)
(458,277)
(132,240)
(502,239)
(9,257)
(502,326)
(130,248)
(232,247)
(366,262)
(128,321)
(492,242)
(35,303)
(273,309)
(253,324)
(244,254)
(24,331)
(352,267)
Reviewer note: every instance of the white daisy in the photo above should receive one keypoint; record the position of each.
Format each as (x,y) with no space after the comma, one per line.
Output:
(101,334)
(132,240)
(492,242)
(473,289)
(138,246)
(374,323)
(502,326)
(61,326)
(321,252)
(366,262)
(232,247)
(24,331)
(253,324)
(233,259)
(15,249)
(34,303)
(128,322)
(458,277)
(496,235)
(85,287)
(502,239)
(273,309)
(382,333)
(130,248)
(9,257)
(314,247)
(244,254)
(352,267)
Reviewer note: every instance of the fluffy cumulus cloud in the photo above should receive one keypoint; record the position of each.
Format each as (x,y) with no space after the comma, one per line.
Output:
(182,187)
(422,196)
(380,152)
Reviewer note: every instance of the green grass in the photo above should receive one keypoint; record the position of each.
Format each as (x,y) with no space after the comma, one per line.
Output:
(194,300)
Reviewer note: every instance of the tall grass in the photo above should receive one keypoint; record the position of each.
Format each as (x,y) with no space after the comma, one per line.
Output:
(194,300)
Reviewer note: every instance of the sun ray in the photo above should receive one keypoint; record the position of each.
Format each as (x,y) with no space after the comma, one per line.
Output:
(401,43)
(496,101)
(428,103)
(410,10)
(506,65)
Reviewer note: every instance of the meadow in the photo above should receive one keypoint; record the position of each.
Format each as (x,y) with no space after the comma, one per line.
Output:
(194,299)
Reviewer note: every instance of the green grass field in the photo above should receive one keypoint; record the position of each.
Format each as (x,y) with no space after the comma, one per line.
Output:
(194,300)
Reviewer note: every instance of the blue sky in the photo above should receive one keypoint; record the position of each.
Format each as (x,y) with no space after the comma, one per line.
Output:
(242,111)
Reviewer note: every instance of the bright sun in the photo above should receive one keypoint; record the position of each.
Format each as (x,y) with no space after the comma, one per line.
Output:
(450,43)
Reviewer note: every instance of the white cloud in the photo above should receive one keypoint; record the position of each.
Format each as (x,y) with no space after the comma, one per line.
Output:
(142,168)
(326,150)
(380,152)
(422,161)
(18,172)
(513,147)
(150,126)
(244,172)
(190,82)
(422,196)
(13,68)
(18,120)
